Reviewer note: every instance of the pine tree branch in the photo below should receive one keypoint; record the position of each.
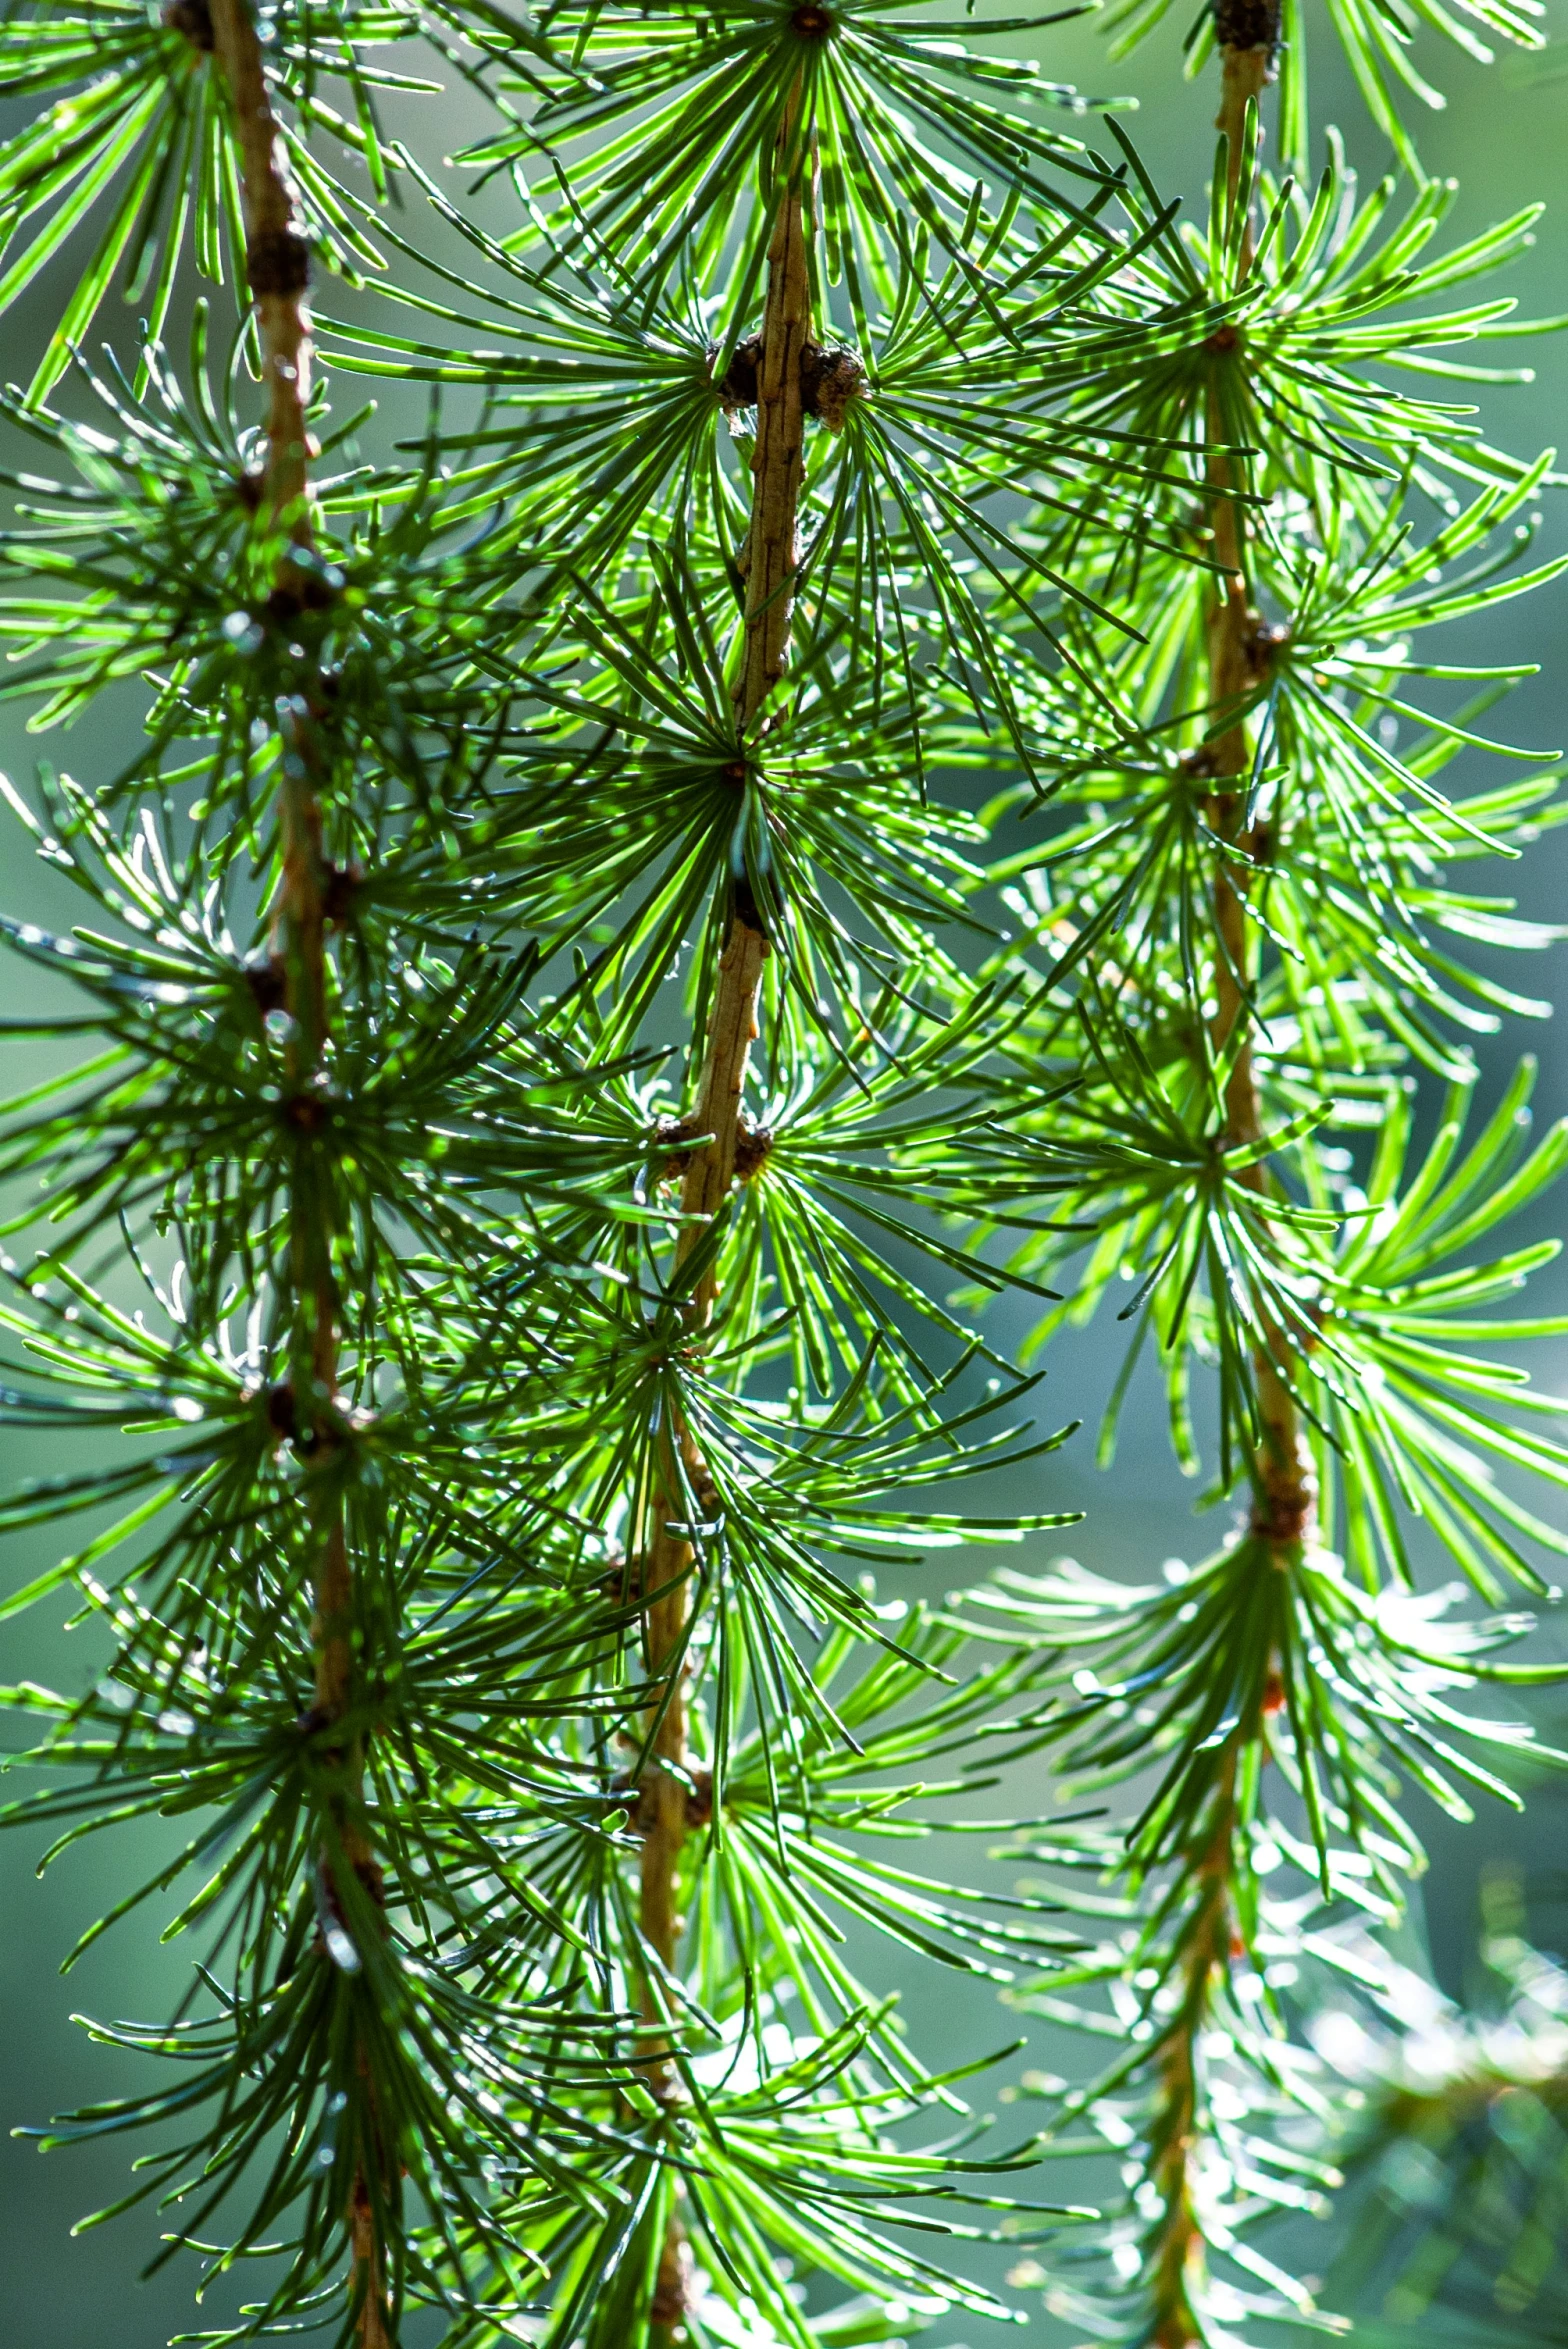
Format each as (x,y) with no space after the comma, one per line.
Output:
(1232,632)
(1237,646)
(772,550)
(770,562)
(1282,1484)
(342,1124)
(1174,2259)
(277,263)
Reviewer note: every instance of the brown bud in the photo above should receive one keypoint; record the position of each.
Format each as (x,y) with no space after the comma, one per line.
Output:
(1263,642)
(193,18)
(268,983)
(278,262)
(829,380)
(282,1417)
(1281,1514)
(672,1134)
(621,1582)
(744,906)
(343,884)
(1247,24)
(738,385)
(752,1144)
(699,1799)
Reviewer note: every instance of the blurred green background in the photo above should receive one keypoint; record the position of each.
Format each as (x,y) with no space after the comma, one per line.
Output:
(1502,137)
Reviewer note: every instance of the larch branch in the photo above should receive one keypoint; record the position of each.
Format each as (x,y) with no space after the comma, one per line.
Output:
(277,264)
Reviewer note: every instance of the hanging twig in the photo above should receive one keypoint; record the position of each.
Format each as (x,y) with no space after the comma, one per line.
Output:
(277,264)
(1282,1485)
(770,562)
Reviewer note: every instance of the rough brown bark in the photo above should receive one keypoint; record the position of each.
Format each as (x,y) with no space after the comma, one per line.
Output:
(277,267)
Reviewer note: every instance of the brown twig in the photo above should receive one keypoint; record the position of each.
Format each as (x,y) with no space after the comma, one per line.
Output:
(1237,647)
(779,368)
(277,265)
(1174,2259)
(772,549)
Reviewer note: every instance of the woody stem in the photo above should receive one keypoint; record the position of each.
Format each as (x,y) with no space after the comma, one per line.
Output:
(1282,1478)
(277,264)
(277,267)
(771,560)
(1173,2257)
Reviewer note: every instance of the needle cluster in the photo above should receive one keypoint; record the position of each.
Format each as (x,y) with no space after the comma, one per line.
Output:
(885,745)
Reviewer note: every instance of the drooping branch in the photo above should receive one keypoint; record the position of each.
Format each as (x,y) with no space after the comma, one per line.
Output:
(277,263)
(1174,2257)
(1239,646)
(772,550)
(705,1187)
(769,563)
(1232,619)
